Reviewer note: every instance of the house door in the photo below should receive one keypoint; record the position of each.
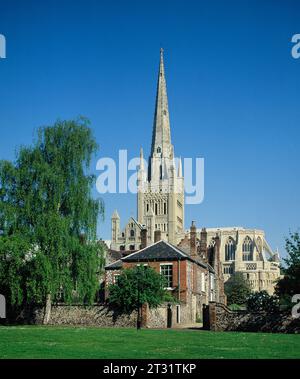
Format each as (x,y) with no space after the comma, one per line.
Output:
(169,316)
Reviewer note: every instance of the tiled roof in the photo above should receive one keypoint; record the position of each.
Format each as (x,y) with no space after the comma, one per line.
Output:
(115,265)
(160,251)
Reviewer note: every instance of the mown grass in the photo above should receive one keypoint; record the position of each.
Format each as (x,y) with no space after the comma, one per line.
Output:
(79,342)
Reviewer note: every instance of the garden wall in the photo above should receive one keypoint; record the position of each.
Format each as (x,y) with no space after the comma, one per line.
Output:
(94,315)
(218,317)
(100,315)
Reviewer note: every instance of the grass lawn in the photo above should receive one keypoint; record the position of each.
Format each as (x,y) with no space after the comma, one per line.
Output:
(78,342)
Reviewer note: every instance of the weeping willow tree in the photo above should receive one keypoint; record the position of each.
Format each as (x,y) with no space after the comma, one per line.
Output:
(48,219)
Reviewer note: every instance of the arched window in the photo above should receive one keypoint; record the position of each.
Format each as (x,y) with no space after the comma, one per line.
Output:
(158,150)
(131,233)
(230,250)
(122,247)
(247,249)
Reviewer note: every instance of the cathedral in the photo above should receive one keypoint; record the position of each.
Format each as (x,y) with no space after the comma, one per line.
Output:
(160,210)
(160,197)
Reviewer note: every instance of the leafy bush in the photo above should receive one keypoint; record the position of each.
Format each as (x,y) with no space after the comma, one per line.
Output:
(262,302)
(237,289)
(136,286)
(289,285)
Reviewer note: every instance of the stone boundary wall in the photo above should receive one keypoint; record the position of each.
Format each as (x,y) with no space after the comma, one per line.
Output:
(218,317)
(94,315)
(99,315)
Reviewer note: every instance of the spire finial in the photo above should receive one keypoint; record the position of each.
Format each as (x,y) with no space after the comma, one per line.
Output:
(161,51)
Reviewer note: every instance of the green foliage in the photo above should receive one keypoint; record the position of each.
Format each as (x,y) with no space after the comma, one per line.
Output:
(237,289)
(262,302)
(235,307)
(290,283)
(137,286)
(45,208)
(13,267)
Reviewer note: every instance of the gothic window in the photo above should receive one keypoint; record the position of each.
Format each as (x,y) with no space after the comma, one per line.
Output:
(156,209)
(228,269)
(166,270)
(131,233)
(230,250)
(247,249)
(158,150)
(122,248)
(165,208)
(160,171)
(147,207)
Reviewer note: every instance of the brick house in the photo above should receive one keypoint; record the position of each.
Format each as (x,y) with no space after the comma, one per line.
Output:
(191,280)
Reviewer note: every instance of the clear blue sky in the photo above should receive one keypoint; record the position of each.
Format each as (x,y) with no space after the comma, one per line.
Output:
(233,91)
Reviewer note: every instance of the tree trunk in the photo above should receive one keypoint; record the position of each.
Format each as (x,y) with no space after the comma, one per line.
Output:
(47,313)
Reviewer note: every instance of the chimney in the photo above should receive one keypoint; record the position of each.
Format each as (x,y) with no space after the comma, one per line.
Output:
(193,235)
(157,235)
(143,238)
(203,244)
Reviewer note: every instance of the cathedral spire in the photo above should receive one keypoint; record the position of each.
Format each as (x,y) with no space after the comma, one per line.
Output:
(161,138)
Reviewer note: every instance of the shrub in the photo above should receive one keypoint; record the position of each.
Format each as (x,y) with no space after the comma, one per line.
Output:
(262,302)
(237,289)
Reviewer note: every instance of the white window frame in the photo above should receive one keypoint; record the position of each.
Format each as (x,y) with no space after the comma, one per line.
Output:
(166,264)
(203,289)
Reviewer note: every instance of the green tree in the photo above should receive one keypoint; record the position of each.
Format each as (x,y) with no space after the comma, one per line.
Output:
(262,302)
(290,283)
(136,286)
(46,207)
(237,289)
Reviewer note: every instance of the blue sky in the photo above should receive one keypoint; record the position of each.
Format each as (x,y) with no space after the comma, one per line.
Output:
(233,90)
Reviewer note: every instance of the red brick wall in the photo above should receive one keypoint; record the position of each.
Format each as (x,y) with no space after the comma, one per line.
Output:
(156,267)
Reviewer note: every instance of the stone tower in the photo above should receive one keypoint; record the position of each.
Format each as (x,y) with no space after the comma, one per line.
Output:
(115,225)
(160,198)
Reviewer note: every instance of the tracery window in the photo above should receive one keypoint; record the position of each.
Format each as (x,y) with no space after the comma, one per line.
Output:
(230,250)
(247,249)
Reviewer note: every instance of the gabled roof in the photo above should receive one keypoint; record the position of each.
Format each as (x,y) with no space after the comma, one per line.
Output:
(115,265)
(161,251)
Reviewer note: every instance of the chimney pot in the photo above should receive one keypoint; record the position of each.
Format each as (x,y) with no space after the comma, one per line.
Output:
(193,236)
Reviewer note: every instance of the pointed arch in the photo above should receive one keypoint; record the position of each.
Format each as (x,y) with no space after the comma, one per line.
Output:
(230,249)
(247,249)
